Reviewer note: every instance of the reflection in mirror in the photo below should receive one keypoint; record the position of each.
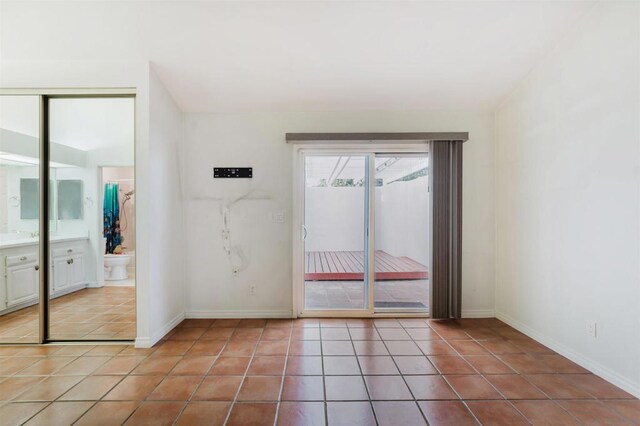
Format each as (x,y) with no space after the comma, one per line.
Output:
(70,200)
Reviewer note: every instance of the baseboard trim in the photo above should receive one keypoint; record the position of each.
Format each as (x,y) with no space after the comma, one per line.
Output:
(239,314)
(478,313)
(591,365)
(147,342)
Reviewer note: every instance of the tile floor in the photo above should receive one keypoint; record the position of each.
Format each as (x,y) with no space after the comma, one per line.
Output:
(350,294)
(90,314)
(310,372)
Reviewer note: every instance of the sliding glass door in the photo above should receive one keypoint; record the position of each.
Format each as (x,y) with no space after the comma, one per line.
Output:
(365,232)
(67,247)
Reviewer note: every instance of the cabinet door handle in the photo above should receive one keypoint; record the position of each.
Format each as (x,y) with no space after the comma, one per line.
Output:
(68,261)
(37,267)
(23,258)
(70,251)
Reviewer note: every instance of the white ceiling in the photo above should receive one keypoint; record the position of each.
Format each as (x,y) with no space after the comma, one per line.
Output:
(265,56)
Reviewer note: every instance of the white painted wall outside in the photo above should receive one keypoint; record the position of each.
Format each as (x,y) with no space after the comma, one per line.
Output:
(568,196)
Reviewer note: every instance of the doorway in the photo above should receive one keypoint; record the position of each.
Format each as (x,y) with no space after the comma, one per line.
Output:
(58,267)
(365,231)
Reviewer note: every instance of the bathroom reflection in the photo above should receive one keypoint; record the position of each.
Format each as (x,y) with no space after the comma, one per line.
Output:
(91,287)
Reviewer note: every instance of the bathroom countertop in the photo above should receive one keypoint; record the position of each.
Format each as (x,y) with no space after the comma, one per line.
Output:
(34,241)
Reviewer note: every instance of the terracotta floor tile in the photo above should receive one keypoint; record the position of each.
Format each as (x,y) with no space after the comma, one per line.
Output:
(597,386)
(395,413)
(255,388)
(500,347)
(468,347)
(531,346)
(340,365)
(498,413)
(304,366)
(305,333)
(13,386)
(451,364)
(193,365)
(188,333)
(60,413)
(393,334)
(301,414)
(415,365)
(279,323)
(593,412)
(446,413)
(196,322)
(133,388)
(266,347)
(17,413)
(345,388)
(106,350)
(333,322)
(525,363)
(414,322)
(303,388)
(375,365)
(157,365)
(364,334)
(252,323)
(423,334)
(514,386)
(403,347)
(436,347)
(488,364)
(371,347)
(337,347)
(430,387)
(335,334)
(46,366)
(350,414)
(386,323)
(83,366)
(91,388)
(387,388)
(306,323)
(252,414)
(452,334)
(119,365)
(206,348)
(304,347)
(560,364)
(222,334)
(108,413)
(473,387)
(224,323)
(630,409)
(174,347)
(200,413)
(266,366)
(545,413)
(156,413)
(359,323)
(276,334)
(10,366)
(218,388)
(175,388)
(49,389)
(247,334)
(556,387)
(230,366)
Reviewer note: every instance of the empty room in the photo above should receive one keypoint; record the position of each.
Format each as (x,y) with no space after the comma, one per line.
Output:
(323,212)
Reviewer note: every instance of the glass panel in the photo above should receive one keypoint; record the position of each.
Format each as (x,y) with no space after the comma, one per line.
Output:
(402,233)
(92,293)
(19,224)
(335,222)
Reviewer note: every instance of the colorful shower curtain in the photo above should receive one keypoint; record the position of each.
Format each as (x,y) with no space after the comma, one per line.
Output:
(111,214)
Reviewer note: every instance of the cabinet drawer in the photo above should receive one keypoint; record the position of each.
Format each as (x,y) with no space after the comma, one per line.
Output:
(21,259)
(67,251)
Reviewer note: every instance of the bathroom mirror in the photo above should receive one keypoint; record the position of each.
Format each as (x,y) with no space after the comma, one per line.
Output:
(70,196)
(29,199)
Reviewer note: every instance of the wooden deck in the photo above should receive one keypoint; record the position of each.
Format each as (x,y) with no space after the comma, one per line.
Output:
(349,266)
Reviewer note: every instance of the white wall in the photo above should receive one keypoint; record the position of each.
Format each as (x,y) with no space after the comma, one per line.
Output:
(568,199)
(166,240)
(257,140)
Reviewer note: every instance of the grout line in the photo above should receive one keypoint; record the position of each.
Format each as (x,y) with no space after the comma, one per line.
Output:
(284,372)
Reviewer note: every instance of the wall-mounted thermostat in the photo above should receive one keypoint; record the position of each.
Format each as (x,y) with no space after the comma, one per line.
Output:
(233,172)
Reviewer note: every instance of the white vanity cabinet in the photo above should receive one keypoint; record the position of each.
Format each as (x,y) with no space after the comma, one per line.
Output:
(19,283)
(68,268)
(21,276)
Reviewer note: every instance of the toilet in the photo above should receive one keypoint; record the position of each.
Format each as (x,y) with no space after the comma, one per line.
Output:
(115,266)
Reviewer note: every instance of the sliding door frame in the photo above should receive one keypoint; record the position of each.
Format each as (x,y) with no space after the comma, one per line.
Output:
(355,149)
(44,262)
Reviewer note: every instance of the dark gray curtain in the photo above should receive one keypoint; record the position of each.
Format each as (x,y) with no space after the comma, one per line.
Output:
(445,181)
